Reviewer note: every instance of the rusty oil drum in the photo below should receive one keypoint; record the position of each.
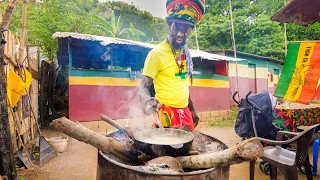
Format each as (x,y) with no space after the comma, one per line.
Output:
(109,169)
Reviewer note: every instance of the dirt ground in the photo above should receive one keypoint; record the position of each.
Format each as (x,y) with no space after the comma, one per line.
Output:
(79,161)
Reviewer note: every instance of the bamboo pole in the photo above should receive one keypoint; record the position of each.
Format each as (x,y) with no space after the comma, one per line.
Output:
(23,32)
(234,46)
(285,35)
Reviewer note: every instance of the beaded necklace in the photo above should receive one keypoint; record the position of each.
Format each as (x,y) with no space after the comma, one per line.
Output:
(178,58)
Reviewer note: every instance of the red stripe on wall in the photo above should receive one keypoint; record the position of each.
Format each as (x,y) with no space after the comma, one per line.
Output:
(252,85)
(210,99)
(312,76)
(262,84)
(244,86)
(86,103)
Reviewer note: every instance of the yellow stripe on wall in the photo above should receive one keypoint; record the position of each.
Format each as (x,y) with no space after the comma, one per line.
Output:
(102,81)
(242,70)
(210,83)
(262,72)
(300,72)
(108,81)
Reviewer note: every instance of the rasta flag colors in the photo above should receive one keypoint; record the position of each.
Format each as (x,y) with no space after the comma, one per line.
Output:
(301,72)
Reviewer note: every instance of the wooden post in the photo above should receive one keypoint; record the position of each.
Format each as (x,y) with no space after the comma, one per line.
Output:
(23,32)
(7,164)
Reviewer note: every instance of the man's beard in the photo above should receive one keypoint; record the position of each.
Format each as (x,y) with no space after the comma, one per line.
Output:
(174,44)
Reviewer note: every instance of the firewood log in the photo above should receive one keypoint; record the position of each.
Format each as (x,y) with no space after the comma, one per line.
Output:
(105,144)
(244,151)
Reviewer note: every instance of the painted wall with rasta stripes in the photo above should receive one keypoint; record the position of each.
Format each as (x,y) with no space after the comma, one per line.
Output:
(116,95)
(95,88)
(257,74)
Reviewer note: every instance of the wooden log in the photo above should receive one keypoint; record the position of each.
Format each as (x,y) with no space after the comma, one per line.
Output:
(105,144)
(246,150)
(77,131)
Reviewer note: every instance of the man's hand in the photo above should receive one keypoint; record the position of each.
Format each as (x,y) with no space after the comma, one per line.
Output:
(195,118)
(151,105)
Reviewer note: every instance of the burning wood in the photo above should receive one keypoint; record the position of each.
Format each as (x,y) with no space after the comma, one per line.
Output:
(165,163)
(244,151)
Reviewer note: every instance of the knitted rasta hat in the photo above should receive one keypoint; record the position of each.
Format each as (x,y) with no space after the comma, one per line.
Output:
(185,11)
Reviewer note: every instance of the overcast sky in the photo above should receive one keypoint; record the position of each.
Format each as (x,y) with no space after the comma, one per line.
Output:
(155,7)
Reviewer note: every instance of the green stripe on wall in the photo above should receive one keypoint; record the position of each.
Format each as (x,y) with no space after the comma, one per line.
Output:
(96,73)
(126,74)
(288,69)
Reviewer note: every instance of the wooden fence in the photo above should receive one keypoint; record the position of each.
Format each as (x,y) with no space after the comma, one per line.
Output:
(22,120)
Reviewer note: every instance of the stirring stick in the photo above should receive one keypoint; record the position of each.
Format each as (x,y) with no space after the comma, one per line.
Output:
(158,121)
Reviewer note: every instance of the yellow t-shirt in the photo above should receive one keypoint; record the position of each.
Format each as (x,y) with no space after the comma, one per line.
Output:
(171,87)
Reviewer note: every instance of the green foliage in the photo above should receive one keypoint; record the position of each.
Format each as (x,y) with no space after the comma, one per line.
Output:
(267,38)
(148,24)
(254,31)
(213,33)
(49,17)
(301,33)
(227,121)
(112,28)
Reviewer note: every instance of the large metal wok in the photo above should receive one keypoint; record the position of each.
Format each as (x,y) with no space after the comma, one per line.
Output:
(159,142)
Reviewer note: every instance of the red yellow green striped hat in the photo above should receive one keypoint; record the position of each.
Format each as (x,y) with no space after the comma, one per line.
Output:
(186,11)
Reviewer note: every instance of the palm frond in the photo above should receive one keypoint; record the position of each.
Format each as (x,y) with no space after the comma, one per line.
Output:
(118,22)
(126,31)
(103,22)
(107,31)
(113,22)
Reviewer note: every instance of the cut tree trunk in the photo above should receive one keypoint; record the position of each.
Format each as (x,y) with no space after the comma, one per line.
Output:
(244,151)
(106,144)
(7,164)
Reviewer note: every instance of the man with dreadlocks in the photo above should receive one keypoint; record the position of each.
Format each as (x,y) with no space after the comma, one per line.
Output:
(169,67)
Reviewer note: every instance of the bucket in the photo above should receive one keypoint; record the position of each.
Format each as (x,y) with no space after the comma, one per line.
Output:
(59,143)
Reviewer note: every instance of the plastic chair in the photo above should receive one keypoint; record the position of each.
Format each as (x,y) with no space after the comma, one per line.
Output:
(315,156)
(288,161)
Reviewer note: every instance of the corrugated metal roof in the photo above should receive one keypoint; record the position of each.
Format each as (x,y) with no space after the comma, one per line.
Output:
(246,54)
(104,41)
(301,12)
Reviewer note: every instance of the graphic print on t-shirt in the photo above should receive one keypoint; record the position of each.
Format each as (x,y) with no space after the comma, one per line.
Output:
(183,72)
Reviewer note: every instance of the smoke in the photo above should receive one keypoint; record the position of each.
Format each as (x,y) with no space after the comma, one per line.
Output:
(131,108)
(107,55)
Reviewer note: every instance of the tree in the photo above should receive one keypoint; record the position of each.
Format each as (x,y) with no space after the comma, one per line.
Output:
(254,31)
(86,5)
(7,164)
(267,38)
(113,28)
(301,33)
(131,14)
(160,29)
(213,33)
(135,33)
